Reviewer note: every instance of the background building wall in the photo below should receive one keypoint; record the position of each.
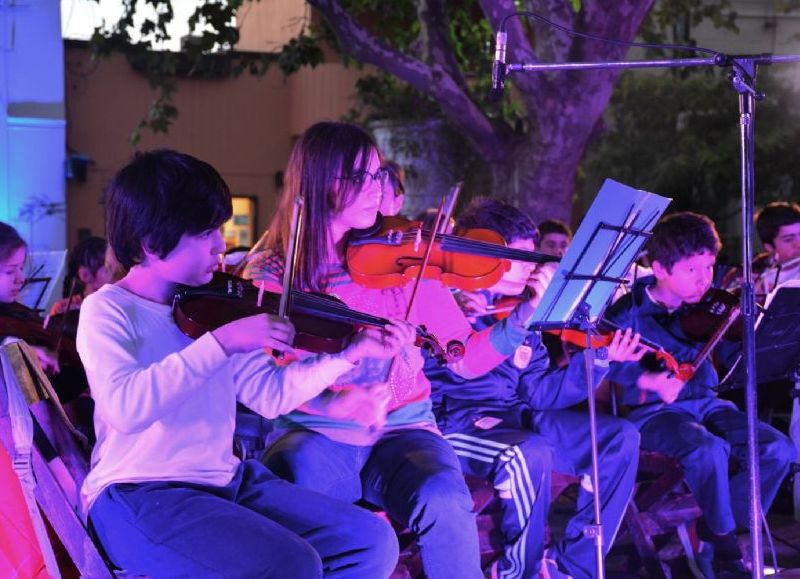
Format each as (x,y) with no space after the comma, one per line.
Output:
(32,123)
(243,126)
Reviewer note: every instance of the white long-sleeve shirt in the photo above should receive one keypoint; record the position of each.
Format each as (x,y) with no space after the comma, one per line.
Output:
(164,404)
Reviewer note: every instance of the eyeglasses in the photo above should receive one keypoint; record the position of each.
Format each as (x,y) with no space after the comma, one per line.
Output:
(359,178)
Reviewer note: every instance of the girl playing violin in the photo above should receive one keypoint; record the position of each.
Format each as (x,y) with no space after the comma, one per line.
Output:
(166,496)
(13,256)
(373,434)
(86,273)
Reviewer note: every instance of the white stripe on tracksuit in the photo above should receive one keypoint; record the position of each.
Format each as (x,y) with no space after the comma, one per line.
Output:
(523,492)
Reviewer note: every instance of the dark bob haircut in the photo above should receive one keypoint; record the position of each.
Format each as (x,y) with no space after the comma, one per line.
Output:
(682,235)
(157,198)
(500,217)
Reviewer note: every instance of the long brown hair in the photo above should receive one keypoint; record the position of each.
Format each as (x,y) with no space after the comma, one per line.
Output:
(320,169)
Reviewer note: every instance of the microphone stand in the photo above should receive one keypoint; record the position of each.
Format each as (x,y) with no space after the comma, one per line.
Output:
(742,77)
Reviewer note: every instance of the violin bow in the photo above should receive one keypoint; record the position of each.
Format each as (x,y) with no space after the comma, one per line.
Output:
(417,281)
(733,313)
(289,267)
(446,225)
(290,263)
(425,258)
(72,287)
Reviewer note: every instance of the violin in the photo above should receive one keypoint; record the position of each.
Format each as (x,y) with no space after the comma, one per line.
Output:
(390,254)
(22,322)
(702,320)
(681,370)
(503,307)
(65,323)
(322,323)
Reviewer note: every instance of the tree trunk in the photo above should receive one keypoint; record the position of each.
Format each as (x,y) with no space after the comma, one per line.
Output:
(539,181)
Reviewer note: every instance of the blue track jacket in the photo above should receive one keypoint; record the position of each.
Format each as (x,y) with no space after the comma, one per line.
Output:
(523,384)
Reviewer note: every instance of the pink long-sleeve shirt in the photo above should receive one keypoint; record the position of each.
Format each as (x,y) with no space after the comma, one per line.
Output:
(408,388)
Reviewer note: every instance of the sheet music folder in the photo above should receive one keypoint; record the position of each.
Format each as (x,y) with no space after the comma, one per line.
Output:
(777,339)
(607,241)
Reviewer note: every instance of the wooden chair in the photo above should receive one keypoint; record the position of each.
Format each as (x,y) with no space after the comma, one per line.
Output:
(59,457)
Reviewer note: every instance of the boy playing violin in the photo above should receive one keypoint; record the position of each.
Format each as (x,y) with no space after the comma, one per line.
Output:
(686,420)
(373,435)
(165,496)
(778,226)
(513,425)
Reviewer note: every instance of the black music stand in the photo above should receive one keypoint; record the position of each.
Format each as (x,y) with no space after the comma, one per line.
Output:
(777,340)
(777,357)
(601,252)
(35,289)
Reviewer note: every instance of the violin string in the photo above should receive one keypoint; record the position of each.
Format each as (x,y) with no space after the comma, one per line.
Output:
(479,247)
(328,306)
(260,294)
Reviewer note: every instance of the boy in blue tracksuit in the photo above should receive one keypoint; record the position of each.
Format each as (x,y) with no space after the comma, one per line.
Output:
(514,427)
(686,420)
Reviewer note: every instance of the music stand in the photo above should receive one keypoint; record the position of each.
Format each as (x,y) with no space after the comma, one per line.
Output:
(601,252)
(48,270)
(777,340)
(777,357)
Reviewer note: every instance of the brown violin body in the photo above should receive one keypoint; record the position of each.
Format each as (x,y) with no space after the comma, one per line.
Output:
(578,339)
(322,323)
(65,323)
(24,323)
(226,298)
(701,320)
(391,253)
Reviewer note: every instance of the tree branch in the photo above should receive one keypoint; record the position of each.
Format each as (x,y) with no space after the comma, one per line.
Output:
(434,39)
(432,80)
(628,19)
(594,19)
(552,44)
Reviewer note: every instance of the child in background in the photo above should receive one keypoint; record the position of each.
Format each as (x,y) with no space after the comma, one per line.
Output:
(86,273)
(778,226)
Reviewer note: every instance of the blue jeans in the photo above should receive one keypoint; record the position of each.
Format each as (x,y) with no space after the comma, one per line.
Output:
(703,434)
(413,475)
(256,526)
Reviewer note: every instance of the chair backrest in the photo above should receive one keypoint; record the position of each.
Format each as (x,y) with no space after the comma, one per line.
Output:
(59,455)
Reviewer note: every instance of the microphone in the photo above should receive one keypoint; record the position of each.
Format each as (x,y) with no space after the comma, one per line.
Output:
(499,68)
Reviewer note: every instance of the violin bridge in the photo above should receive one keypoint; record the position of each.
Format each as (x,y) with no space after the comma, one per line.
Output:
(235,289)
(418,240)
